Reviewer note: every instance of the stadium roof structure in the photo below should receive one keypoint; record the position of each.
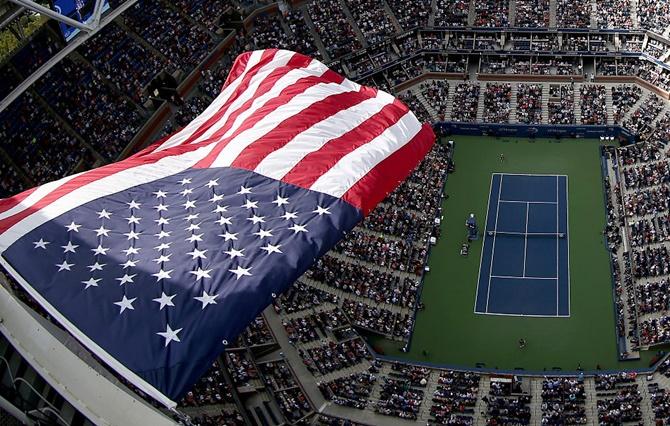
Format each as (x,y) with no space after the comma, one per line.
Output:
(9,12)
(88,30)
(22,5)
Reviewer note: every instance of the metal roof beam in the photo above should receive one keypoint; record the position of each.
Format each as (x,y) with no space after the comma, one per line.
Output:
(11,16)
(30,4)
(97,11)
(78,41)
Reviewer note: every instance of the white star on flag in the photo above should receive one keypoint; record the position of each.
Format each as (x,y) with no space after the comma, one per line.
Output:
(250,204)
(64,266)
(164,300)
(131,250)
(73,227)
(102,231)
(297,228)
(91,282)
(125,303)
(272,249)
(160,194)
(163,234)
(100,250)
(189,204)
(216,198)
(201,273)
(129,264)
(243,190)
(206,299)
(289,215)
(133,205)
(133,219)
(170,335)
(257,219)
(195,237)
(228,236)
(69,247)
(96,266)
(197,254)
(320,210)
(103,214)
(234,253)
(212,183)
(224,221)
(163,258)
(193,227)
(280,201)
(185,181)
(132,235)
(41,244)
(240,271)
(160,275)
(262,233)
(126,279)
(161,207)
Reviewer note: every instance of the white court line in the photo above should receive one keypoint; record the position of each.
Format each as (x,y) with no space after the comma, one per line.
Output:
(567,226)
(557,235)
(481,255)
(546,234)
(557,255)
(527,202)
(493,248)
(525,240)
(528,174)
(522,315)
(511,277)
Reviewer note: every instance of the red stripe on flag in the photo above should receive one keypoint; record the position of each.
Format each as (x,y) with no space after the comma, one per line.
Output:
(10,203)
(372,188)
(266,57)
(148,155)
(283,98)
(288,129)
(316,163)
(298,61)
(237,68)
(92,176)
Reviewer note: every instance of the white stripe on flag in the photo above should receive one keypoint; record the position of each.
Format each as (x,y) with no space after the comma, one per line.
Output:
(314,69)
(278,163)
(353,166)
(36,196)
(107,185)
(183,135)
(291,109)
(281,59)
(174,140)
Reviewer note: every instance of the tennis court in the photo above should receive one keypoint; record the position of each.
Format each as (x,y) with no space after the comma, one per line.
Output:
(524,268)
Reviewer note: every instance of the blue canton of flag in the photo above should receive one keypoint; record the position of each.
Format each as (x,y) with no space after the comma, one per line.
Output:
(143,272)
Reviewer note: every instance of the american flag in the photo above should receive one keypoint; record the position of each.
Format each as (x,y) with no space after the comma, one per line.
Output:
(156,262)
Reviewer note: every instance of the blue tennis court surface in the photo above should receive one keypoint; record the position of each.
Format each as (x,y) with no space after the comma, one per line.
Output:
(524,266)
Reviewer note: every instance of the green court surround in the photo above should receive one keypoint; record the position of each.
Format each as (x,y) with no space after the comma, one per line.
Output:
(448,330)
